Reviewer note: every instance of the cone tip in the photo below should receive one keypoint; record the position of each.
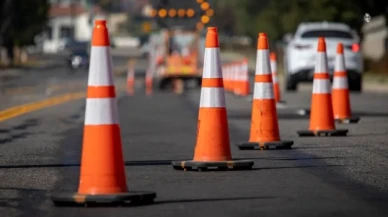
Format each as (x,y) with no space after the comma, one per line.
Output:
(263,41)
(212,37)
(100,34)
(321,44)
(272,56)
(340,48)
(100,24)
(212,29)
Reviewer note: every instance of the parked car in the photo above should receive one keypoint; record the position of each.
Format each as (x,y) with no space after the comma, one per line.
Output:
(77,59)
(300,52)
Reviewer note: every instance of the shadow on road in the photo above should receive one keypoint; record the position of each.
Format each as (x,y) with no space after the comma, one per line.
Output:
(143,163)
(126,163)
(369,114)
(247,116)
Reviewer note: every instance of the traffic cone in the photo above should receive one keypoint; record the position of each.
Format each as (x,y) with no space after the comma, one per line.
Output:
(321,115)
(212,149)
(245,86)
(224,77)
(242,79)
(235,83)
(148,82)
(264,123)
(228,82)
(131,78)
(274,69)
(102,177)
(340,91)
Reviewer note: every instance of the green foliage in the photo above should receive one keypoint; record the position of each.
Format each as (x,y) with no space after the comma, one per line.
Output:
(27,19)
(278,17)
(32,22)
(104,4)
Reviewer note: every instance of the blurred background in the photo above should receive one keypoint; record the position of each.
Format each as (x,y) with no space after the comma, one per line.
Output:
(35,29)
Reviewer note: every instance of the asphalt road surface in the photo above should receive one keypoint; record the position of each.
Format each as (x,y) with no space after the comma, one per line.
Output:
(342,176)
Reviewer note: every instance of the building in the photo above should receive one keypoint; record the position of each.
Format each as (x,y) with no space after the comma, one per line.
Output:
(375,42)
(72,20)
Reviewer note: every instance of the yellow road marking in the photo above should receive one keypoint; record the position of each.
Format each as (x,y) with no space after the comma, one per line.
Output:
(29,89)
(30,107)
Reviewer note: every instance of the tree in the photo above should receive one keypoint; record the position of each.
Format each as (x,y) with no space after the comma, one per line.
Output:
(104,4)
(32,22)
(22,21)
(277,17)
(225,16)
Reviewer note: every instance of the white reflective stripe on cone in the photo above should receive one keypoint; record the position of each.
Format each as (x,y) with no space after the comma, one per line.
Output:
(262,63)
(274,67)
(245,76)
(321,63)
(237,73)
(97,106)
(100,70)
(226,73)
(263,90)
(321,86)
(274,78)
(212,97)
(212,63)
(240,72)
(340,83)
(246,72)
(339,63)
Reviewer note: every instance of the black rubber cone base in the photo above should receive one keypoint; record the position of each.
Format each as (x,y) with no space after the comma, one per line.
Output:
(338,132)
(121,199)
(265,145)
(351,120)
(212,165)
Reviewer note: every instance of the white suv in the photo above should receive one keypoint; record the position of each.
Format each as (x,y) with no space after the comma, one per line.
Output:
(299,55)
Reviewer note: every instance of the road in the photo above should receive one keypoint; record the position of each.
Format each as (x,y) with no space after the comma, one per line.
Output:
(342,176)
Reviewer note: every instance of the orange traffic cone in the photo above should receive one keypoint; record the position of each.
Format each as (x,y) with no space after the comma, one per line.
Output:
(212,149)
(264,125)
(148,82)
(340,91)
(243,88)
(235,82)
(275,79)
(321,115)
(229,77)
(102,178)
(131,78)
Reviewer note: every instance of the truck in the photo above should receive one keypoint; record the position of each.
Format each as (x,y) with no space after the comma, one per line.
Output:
(181,59)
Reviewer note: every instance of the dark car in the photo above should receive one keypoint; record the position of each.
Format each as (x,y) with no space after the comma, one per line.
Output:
(78,60)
